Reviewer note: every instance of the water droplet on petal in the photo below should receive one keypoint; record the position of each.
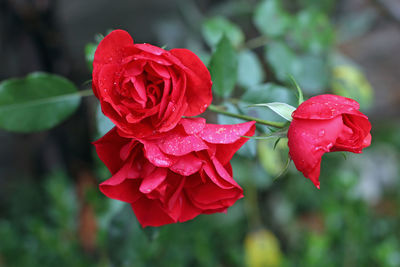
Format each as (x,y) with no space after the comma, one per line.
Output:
(321,133)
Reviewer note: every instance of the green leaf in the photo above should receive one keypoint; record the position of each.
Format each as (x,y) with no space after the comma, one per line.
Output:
(214,28)
(37,102)
(223,68)
(268,92)
(285,168)
(270,19)
(250,70)
(282,109)
(282,59)
(312,73)
(312,31)
(277,142)
(90,49)
(300,96)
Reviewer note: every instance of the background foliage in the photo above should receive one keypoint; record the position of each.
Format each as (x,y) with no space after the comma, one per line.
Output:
(52,212)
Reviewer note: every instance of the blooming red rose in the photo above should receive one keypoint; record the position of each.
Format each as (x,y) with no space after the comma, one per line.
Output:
(145,89)
(177,175)
(326,123)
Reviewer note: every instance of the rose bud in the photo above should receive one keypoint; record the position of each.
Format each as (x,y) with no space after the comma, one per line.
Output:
(322,124)
(177,176)
(145,89)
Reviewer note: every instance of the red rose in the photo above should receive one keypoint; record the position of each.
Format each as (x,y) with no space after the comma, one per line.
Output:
(177,175)
(326,123)
(145,89)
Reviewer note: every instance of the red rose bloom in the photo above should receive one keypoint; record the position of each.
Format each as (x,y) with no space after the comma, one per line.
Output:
(145,89)
(326,123)
(177,175)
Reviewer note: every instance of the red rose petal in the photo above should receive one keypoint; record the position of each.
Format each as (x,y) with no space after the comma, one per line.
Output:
(139,81)
(193,125)
(134,68)
(215,178)
(153,180)
(367,140)
(356,134)
(199,95)
(173,200)
(205,196)
(150,213)
(172,116)
(223,173)
(108,149)
(225,134)
(151,49)
(188,210)
(160,70)
(187,165)
(154,154)
(309,140)
(120,188)
(164,98)
(177,143)
(228,138)
(112,49)
(324,107)
(147,57)
(103,83)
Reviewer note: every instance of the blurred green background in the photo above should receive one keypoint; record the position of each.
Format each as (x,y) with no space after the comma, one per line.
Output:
(52,213)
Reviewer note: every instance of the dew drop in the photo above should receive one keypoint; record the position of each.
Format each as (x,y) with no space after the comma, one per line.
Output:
(321,133)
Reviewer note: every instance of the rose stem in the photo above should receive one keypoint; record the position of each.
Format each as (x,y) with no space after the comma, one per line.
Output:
(219,110)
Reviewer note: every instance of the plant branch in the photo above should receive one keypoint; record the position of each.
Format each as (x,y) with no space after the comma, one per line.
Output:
(219,110)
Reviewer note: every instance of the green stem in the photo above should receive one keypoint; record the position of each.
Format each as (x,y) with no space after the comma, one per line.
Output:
(245,117)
